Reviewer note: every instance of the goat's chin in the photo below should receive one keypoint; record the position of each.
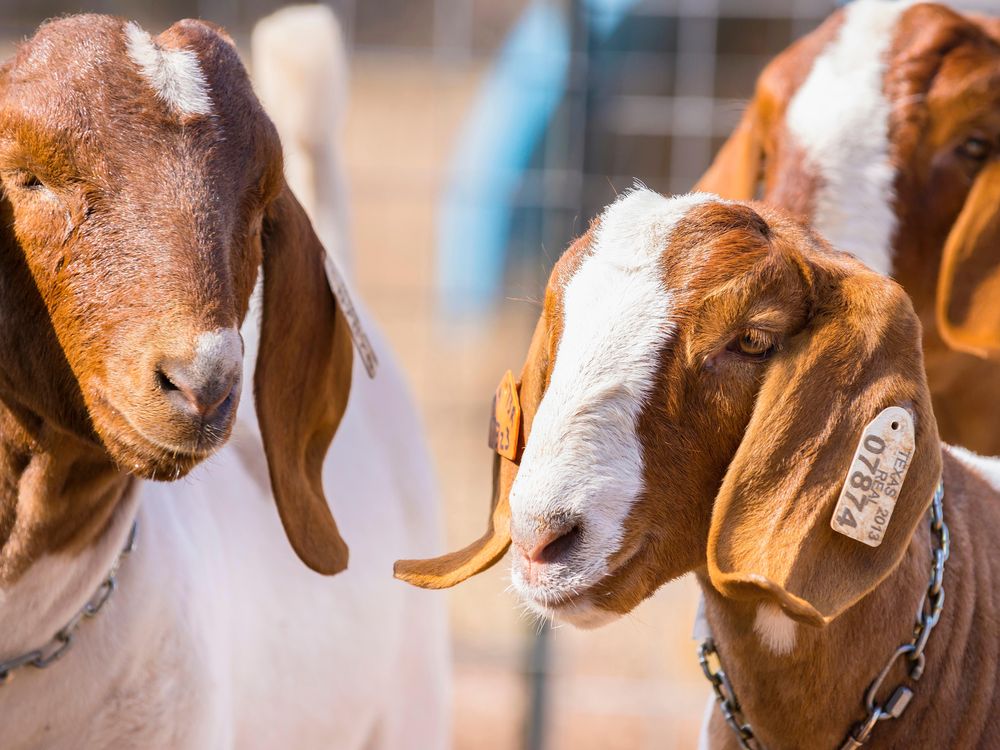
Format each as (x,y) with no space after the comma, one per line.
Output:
(579,612)
(627,581)
(163,468)
(143,456)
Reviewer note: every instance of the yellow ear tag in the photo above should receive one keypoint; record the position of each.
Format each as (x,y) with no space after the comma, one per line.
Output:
(505,422)
(875,477)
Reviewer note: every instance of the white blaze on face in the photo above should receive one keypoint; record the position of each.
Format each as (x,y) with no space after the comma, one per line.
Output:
(840,117)
(584,458)
(174,74)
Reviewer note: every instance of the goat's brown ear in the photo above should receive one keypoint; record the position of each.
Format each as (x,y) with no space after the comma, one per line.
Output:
(736,170)
(771,535)
(302,381)
(968,293)
(447,570)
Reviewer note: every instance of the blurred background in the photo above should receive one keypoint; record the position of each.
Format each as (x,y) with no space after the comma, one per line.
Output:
(481,137)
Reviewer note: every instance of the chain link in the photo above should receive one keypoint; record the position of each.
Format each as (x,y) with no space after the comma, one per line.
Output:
(928,615)
(51,652)
(725,696)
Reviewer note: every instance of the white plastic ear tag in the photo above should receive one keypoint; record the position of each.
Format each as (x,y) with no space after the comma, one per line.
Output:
(875,478)
(339,288)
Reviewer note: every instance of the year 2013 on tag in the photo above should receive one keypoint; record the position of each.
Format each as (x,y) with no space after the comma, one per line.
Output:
(875,477)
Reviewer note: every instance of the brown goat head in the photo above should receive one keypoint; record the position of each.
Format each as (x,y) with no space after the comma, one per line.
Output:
(882,127)
(142,190)
(698,383)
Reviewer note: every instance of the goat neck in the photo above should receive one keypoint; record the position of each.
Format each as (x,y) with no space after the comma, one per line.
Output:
(782,671)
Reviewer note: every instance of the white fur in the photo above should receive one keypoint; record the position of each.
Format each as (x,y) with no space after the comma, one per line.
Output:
(840,117)
(776,629)
(581,614)
(175,74)
(584,458)
(986,467)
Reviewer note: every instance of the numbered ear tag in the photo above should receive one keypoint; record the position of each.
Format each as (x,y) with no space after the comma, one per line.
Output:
(505,423)
(875,478)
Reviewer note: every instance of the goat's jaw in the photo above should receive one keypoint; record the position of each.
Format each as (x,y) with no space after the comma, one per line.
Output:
(136,452)
(580,612)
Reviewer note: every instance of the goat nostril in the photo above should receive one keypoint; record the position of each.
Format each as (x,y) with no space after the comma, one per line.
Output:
(164,381)
(559,547)
(191,390)
(554,546)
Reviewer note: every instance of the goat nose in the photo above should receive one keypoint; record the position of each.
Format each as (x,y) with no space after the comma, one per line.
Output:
(550,543)
(203,384)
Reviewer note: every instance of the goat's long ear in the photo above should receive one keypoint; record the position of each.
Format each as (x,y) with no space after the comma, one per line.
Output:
(771,535)
(447,570)
(302,381)
(968,293)
(736,171)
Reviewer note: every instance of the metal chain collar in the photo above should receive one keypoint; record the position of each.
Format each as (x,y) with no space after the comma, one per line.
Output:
(40,658)
(928,614)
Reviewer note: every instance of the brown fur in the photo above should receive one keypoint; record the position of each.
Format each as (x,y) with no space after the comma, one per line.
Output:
(732,444)
(941,82)
(812,696)
(127,231)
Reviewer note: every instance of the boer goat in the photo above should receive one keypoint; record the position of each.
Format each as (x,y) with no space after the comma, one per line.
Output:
(142,189)
(882,128)
(712,389)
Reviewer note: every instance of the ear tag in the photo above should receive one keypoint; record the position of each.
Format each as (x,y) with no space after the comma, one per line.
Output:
(339,288)
(875,477)
(505,422)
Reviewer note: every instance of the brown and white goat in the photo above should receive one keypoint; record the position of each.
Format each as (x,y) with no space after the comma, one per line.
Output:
(698,382)
(142,190)
(882,128)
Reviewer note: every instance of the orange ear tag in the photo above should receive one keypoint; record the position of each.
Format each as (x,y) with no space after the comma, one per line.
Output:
(505,422)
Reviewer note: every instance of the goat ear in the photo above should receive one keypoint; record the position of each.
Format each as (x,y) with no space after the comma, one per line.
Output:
(968,316)
(736,171)
(447,570)
(770,536)
(302,381)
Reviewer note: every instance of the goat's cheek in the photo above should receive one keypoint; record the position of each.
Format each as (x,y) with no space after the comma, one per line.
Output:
(41,230)
(245,266)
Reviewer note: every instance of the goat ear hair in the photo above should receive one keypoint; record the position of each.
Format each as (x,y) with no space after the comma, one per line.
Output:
(771,537)
(302,381)
(968,317)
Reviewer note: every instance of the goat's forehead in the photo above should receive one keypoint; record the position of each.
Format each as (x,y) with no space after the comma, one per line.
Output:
(174,75)
(609,300)
(631,235)
(101,62)
(673,240)
(84,85)
(839,116)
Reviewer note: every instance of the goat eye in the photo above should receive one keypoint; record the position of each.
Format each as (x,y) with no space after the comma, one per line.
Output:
(752,343)
(29,180)
(976,149)
(25,180)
